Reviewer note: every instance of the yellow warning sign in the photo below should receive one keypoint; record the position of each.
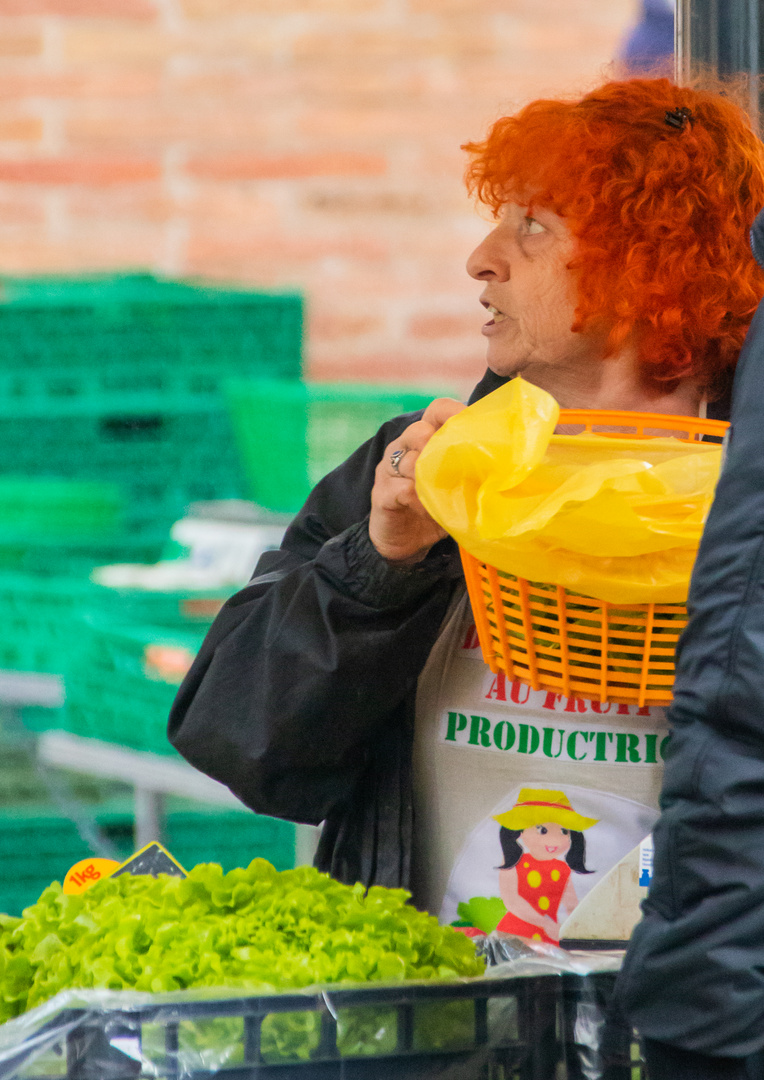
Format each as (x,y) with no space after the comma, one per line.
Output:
(152,859)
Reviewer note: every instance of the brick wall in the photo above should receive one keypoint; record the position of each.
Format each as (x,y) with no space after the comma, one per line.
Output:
(307,143)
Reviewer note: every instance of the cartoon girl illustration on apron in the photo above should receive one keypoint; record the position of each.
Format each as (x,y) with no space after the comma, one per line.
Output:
(542,838)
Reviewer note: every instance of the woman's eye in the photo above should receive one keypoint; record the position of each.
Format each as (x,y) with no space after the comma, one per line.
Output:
(532,226)
(565,832)
(542,830)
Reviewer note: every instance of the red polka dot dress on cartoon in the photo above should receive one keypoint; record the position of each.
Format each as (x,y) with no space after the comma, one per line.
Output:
(541,883)
(542,838)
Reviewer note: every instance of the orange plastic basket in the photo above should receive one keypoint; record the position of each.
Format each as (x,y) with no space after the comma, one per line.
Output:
(554,639)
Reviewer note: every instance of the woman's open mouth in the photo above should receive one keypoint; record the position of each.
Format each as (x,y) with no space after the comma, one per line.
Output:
(498,316)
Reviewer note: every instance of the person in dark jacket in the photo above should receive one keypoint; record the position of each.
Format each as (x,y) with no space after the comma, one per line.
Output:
(694,972)
(613,280)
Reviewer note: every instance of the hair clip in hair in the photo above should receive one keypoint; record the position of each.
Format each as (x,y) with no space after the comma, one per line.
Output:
(678,118)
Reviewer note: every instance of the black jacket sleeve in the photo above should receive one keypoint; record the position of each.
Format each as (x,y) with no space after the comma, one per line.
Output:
(304,666)
(694,972)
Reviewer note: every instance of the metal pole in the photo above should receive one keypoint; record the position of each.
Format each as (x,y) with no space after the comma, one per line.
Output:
(755,58)
(723,38)
(681,42)
(149,816)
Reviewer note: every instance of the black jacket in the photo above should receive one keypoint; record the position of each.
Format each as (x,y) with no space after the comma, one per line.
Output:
(694,972)
(301,699)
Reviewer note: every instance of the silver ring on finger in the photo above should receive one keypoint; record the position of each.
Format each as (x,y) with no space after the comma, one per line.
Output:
(396,458)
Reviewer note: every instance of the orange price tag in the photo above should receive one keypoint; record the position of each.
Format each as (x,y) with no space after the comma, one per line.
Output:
(167,663)
(87,872)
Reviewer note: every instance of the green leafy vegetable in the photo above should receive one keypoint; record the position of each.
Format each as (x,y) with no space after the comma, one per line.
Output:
(366,1030)
(483,912)
(444,1025)
(251,929)
(290,1036)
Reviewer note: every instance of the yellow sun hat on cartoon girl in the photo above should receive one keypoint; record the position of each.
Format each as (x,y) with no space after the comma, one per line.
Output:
(535,806)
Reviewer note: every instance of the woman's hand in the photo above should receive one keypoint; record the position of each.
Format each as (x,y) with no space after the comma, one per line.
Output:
(400,528)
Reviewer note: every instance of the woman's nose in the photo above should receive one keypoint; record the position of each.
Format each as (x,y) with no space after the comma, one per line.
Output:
(487,263)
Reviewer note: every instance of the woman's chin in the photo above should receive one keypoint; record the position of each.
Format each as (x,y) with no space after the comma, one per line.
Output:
(507,369)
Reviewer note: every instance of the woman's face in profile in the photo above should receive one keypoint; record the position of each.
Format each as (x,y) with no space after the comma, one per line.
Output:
(531,295)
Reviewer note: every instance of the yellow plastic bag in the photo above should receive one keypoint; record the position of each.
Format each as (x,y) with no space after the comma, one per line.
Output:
(619,519)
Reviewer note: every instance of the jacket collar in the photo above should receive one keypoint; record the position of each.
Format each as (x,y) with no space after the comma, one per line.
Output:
(715,410)
(490,382)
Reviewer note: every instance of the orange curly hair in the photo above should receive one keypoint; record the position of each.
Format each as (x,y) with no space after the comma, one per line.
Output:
(661,215)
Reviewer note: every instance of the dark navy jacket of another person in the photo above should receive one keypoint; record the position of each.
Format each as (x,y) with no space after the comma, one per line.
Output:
(694,972)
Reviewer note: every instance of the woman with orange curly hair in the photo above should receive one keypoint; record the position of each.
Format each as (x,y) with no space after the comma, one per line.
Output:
(343,685)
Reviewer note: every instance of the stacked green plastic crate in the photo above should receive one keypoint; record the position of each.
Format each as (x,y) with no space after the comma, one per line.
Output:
(114,383)
(125,678)
(75,519)
(118,380)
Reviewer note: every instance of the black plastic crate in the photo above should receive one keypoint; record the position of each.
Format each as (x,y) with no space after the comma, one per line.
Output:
(519,1029)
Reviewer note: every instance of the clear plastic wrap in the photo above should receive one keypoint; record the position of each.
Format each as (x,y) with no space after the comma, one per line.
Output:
(539,1013)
